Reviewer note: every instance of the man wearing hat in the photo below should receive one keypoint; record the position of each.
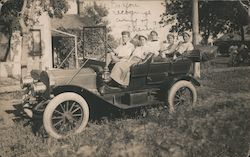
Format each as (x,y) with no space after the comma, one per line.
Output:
(123,51)
(121,71)
(185,46)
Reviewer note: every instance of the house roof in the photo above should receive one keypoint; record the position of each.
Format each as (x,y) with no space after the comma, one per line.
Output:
(68,22)
(71,22)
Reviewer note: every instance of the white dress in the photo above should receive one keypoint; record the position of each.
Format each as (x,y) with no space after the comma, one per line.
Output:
(185,47)
(167,49)
(155,47)
(121,71)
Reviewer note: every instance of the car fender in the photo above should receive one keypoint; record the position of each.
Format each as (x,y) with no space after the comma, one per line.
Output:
(170,81)
(93,98)
(190,78)
(69,88)
(85,93)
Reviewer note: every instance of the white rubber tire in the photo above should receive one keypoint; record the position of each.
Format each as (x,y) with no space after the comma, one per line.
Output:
(175,88)
(53,105)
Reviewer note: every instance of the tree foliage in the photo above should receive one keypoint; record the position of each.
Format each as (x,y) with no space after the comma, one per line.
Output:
(23,14)
(13,10)
(95,15)
(214,16)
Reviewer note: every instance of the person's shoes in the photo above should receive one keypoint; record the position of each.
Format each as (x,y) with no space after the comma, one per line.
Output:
(109,83)
(123,86)
(112,83)
(105,89)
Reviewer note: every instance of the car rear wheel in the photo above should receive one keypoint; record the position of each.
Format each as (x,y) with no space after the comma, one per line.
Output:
(67,113)
(181,95)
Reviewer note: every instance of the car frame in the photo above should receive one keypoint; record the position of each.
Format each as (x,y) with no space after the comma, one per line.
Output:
(64,99)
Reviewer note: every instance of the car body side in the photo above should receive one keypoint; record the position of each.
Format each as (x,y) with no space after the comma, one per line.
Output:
(146,79)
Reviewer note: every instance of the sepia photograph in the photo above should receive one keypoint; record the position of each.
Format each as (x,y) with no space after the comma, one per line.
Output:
(124,78)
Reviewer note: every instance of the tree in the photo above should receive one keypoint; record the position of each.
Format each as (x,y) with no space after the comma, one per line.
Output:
(23,14)
(214,16)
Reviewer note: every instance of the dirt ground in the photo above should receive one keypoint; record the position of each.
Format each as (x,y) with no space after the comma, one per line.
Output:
(8,111)
(217,127)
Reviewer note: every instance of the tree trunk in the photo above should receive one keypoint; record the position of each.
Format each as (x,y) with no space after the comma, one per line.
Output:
(207,35)
(6,47)
(25,41)
(195,35)
(24,55)
(195,22)
(249,8)
(205,38)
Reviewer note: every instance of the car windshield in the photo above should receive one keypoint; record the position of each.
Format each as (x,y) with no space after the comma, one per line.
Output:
(70,50)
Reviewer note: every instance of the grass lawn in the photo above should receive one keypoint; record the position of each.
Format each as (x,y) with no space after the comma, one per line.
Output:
(217,127)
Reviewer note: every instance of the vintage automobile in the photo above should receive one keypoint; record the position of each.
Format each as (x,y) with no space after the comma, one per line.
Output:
(65,98)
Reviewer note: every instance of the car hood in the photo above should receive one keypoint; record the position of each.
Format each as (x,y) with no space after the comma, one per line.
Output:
(85,77)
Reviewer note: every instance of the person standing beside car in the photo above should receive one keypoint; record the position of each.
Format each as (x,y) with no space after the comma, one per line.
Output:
(123,51)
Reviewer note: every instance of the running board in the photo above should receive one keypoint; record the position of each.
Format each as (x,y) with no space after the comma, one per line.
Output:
(150,103)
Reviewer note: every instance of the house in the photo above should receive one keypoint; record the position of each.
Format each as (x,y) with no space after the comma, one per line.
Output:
(136,16)
(40,56)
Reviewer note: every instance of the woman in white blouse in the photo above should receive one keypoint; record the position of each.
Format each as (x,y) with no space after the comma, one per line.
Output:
(185,46)
(121,71)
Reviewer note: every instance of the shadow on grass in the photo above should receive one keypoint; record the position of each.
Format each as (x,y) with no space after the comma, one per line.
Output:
(112,115)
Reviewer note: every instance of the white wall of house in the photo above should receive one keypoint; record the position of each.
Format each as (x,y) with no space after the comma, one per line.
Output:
(47,40)
(45,60)
(136,16)
(12,67)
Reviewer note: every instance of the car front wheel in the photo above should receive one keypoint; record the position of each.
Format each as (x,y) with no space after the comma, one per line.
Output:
(181,95)
(67,113)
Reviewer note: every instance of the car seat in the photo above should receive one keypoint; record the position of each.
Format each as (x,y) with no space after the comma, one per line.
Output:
(141,68)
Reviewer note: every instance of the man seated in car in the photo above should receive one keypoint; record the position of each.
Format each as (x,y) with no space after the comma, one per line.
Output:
(123,51)
(121,71)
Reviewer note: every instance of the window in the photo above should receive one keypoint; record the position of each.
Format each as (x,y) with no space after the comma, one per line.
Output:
(36,42)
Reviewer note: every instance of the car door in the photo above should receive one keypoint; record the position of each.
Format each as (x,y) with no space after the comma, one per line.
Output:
(158,71)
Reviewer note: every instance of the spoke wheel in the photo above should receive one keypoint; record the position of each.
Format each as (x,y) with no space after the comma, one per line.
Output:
(181,95)
(66,114)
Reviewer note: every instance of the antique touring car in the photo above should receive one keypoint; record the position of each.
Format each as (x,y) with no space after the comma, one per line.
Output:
(66,98)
